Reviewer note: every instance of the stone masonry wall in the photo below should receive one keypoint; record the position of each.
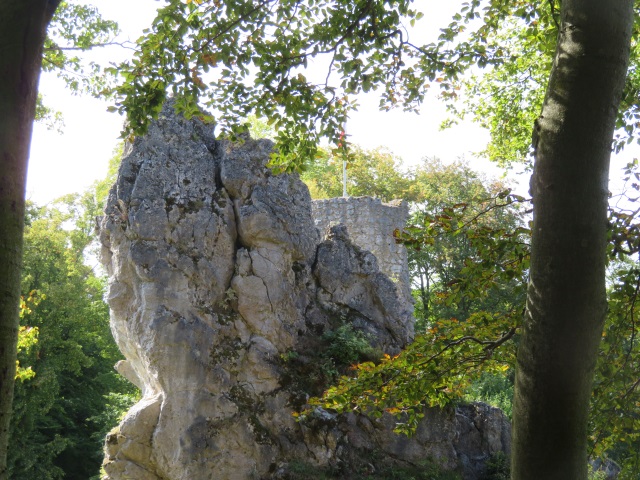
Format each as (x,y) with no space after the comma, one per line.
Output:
(370,224)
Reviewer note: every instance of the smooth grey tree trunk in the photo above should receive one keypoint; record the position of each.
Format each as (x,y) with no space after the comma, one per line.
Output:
(23,25)
(566,302)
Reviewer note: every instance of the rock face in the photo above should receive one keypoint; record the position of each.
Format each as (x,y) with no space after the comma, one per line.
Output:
(371,224)
(218,278)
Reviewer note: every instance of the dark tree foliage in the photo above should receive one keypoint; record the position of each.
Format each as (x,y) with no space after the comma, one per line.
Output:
(63,412)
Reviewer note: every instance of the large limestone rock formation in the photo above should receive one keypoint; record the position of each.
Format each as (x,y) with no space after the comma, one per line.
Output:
(222,292)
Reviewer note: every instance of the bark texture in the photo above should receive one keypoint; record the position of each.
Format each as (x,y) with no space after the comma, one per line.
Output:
(22,32)
(566,302)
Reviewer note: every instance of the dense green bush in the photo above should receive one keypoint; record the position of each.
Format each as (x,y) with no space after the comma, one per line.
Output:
(344,346)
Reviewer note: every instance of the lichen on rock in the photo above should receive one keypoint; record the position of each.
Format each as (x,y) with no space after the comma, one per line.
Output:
(218,276)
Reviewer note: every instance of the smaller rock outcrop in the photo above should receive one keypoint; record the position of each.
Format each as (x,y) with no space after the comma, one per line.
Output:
(371,224)
(224,297)
(350,282)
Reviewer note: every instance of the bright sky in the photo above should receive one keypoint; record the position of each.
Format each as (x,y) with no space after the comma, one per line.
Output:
(72,161)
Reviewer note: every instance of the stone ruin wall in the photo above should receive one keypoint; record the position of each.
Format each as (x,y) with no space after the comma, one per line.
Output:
(371,223)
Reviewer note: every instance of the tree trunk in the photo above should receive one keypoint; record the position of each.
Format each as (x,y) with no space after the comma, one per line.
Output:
(23,26)
(566,301)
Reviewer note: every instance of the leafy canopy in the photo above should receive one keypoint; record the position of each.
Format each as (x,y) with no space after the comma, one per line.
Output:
(301,65)
(243,56)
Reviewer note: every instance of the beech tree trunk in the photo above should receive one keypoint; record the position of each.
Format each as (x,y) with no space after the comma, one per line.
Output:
(23,25)
(566,301)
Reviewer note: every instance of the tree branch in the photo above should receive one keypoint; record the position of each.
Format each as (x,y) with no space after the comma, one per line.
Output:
(128,45)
